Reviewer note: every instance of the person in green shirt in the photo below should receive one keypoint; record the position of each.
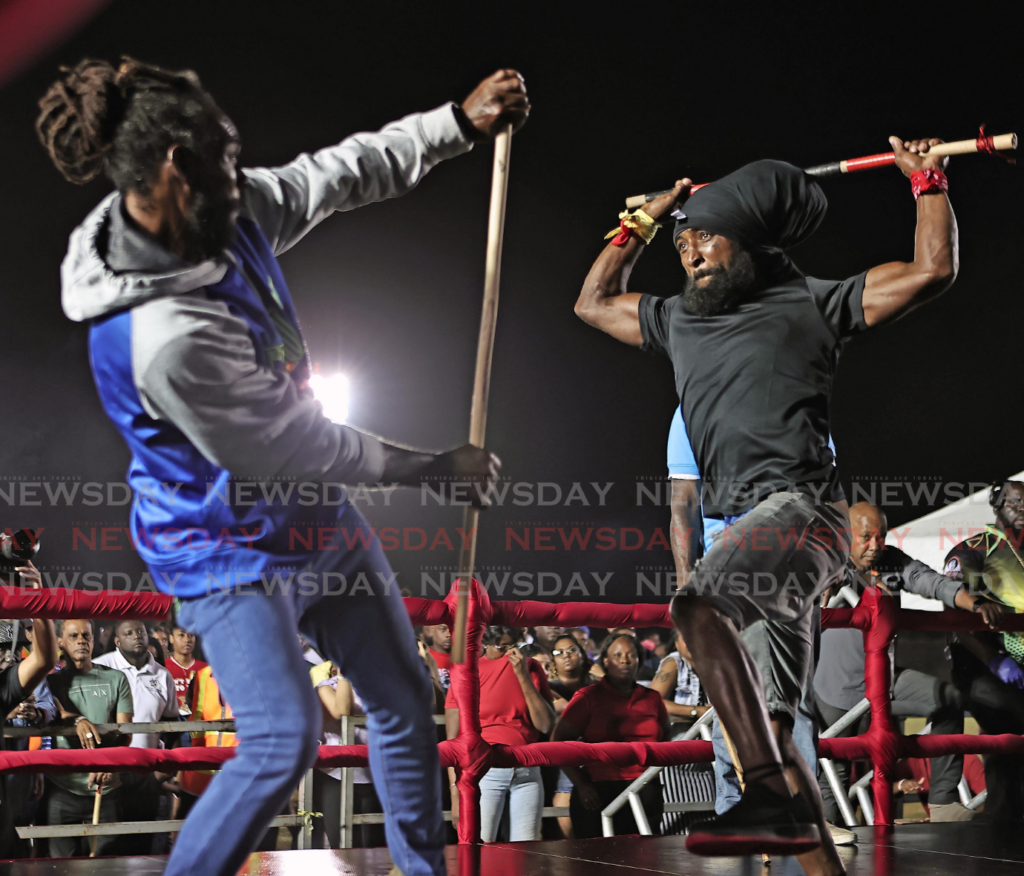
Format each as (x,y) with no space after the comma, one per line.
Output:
(88,695)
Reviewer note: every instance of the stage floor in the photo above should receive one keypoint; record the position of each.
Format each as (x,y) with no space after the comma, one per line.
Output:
(909,850)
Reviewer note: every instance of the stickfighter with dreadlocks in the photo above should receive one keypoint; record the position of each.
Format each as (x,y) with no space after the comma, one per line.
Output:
(199,361)
(754,346)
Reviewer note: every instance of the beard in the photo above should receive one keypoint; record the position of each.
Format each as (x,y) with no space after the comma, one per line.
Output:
(211,225)
(1016,522)
(726,287)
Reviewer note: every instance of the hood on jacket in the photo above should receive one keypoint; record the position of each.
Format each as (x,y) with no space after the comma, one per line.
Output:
(111,266)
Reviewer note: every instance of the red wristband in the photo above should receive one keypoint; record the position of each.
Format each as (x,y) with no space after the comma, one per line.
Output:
(624,234)
(928,182)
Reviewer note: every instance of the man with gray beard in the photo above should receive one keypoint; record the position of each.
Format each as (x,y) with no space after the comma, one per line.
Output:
(754,345)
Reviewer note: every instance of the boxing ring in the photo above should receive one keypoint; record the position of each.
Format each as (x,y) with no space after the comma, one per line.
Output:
(975,847)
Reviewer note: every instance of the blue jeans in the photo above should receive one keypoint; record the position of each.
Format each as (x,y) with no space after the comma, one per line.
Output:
(727,785)
(523,788)
(250,638)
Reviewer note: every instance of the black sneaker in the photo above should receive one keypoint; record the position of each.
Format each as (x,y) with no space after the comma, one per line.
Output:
(762,822)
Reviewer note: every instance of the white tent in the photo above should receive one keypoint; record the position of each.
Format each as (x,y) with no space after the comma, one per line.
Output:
(931,537)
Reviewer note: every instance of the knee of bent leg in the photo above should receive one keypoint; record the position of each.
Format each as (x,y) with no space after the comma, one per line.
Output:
(684,607)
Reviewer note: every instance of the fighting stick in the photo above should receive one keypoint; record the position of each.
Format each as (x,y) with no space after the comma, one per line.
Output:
(736,765)
(97,800)
(482,378)
(733,755)
(869,162)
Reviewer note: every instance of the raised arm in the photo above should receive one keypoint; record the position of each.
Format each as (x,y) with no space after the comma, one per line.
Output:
(604,302)
(893,289)
(288,201)
(542,715)
(45,653)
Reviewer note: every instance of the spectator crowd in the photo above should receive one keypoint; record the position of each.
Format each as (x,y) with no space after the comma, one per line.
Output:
(79,677)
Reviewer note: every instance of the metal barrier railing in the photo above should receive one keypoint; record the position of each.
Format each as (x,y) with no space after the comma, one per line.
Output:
(701,727)
(859,789)
(877,618)
(829,768)
(119,828)
(226,726)
(350,819)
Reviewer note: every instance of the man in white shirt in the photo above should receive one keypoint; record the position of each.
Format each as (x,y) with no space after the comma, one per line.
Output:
(155,700)
(152,686)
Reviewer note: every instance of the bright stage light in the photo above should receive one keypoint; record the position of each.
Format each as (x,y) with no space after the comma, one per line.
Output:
(332,393)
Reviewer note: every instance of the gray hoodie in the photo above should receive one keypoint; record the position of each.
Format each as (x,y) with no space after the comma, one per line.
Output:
(193,362)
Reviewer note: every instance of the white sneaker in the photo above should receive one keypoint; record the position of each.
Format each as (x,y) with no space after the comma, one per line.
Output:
(840,835)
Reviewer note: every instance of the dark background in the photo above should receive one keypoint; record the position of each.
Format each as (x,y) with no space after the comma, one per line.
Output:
(626,98)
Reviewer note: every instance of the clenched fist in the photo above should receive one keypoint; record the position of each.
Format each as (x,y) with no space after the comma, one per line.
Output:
(498,101)
(913,155)
(470,465)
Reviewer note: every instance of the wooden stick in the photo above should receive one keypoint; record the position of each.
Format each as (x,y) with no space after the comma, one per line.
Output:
(96,815)
(1000,143)
(885,159)
(482,378)
(736,765)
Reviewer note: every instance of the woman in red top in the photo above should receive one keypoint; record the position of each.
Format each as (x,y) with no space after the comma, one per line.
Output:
(515,708)
(616,709)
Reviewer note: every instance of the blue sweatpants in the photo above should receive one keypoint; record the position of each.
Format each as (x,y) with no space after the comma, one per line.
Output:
(250,638)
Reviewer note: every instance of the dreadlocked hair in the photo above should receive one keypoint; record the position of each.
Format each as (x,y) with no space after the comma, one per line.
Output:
(122,121)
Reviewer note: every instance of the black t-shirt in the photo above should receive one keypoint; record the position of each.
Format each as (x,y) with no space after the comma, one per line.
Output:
(754,386)
(11,693)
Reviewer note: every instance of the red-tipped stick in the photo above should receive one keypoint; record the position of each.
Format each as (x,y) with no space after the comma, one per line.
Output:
(869,162)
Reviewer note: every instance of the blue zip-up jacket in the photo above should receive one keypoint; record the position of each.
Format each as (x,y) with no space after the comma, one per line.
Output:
(230,452)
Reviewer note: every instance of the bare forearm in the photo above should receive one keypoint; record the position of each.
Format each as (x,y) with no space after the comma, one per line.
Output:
(686,527)
(43,657)
(964,600)
(682,552)
(936,247)
(542,716)
(603,301)
(609,274)
(679,710)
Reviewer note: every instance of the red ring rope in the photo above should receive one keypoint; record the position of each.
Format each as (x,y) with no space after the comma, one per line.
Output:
(878,618)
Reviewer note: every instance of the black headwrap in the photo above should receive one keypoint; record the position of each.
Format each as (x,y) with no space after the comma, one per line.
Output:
(763,205)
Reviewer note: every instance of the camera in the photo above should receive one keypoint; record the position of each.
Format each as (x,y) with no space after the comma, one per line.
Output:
(20,546)
(16,549)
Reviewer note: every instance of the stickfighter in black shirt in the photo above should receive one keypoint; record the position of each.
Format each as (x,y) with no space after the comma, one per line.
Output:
(754,345)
